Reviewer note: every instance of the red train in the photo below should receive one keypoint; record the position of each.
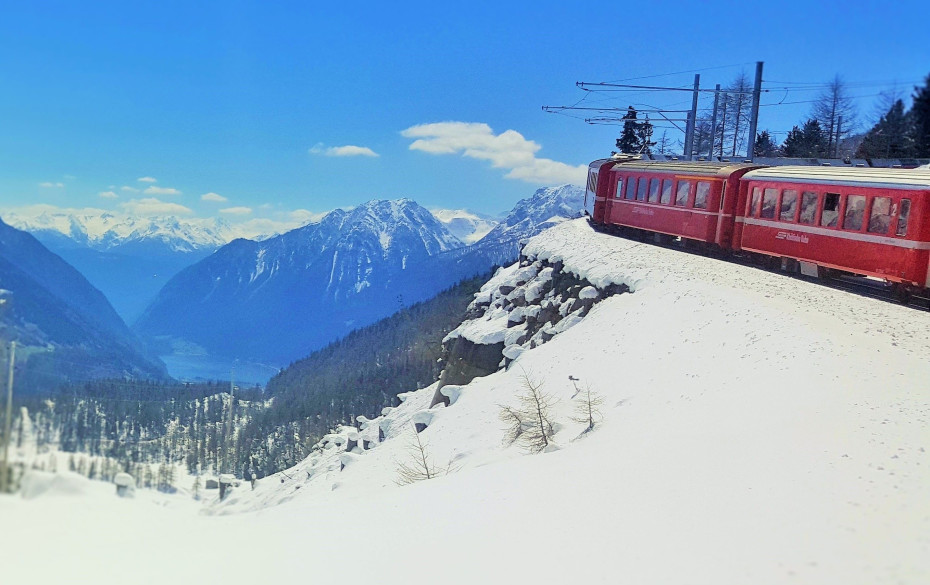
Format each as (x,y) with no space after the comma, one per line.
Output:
(864,221)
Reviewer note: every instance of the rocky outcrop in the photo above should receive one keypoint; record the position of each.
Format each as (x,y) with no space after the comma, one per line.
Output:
(521,307)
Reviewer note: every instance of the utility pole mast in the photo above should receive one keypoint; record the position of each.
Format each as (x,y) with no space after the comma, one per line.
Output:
(5,469)
(692,118)
(713,121)
(754,116)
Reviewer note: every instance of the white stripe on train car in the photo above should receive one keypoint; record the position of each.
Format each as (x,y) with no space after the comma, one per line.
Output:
(844,235)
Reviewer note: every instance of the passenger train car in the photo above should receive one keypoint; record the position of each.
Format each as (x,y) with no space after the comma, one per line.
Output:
(865,221)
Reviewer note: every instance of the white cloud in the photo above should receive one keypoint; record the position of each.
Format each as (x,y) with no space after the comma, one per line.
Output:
(211,196)
(147,180)
(108,195)
(348,150)
(237,210)
(507,150)
(50,185)
(129,189)
(152,206)
(153,190)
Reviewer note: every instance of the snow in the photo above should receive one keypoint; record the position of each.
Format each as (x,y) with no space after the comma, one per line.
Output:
(756,429)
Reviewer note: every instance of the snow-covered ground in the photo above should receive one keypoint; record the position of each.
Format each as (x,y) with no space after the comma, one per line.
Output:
(756,429)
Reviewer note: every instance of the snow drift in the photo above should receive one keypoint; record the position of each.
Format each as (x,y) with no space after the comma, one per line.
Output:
(755,429)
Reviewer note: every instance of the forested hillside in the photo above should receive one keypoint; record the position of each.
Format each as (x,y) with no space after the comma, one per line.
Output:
(135,425)
(358,375)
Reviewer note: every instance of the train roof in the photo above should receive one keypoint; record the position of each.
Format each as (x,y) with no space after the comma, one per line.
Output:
(918,179)
(708,168)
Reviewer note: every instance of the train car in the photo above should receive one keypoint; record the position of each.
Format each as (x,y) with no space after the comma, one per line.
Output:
(592,202)
(691,200)
(866,221)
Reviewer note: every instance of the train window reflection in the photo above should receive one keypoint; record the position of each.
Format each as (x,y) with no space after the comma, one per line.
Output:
(701,194)
(902,217)
(653,190)
(619,188)
(789,205)
(831,210)
(684,188)
(630,188)
(769,196)
(666,191)
(756,198)
(643,186)
(855,210)
(808,207)
(880,217)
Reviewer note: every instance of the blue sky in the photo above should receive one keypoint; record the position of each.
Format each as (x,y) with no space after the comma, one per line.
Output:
(256,103)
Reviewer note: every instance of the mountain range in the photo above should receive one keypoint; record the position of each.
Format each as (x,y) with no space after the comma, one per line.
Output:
(128,258)
(193,294)
(66,328)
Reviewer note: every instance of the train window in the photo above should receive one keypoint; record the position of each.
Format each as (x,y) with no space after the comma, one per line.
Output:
(831,210)
(619,188)
(855,210)
(769,196)
(643,187)
(789,205)
(880,217)
(630,192)
(808,207)
(701,194)
(684,189)
(666,191)
(756,198)
(902,217)
(653,190)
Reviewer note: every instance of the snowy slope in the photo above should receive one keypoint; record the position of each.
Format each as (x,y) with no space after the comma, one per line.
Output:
(756,429)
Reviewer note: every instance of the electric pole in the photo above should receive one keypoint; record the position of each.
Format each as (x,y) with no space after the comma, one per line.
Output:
(713,121)
(754,115)
(692,118)
(5,469)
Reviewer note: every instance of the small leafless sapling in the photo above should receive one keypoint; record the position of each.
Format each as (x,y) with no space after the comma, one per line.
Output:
(530,422)
(587,408)
(420,466)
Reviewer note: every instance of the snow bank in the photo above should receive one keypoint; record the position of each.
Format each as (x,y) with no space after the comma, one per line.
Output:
(754,429)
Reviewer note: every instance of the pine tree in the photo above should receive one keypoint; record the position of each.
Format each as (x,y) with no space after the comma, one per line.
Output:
(764,145)
(920,121)
(806,142)
(890,137)
(629,142)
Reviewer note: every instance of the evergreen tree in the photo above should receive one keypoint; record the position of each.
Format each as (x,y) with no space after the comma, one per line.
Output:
(764,145)
(920,121)
(890,137)
(644,132)
(806,142)
(629,142)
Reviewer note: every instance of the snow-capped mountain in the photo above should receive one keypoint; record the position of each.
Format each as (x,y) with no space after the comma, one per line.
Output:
(545,208)
(283,297)
(66,327)
(466,225)
(128,258)
(108,231)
